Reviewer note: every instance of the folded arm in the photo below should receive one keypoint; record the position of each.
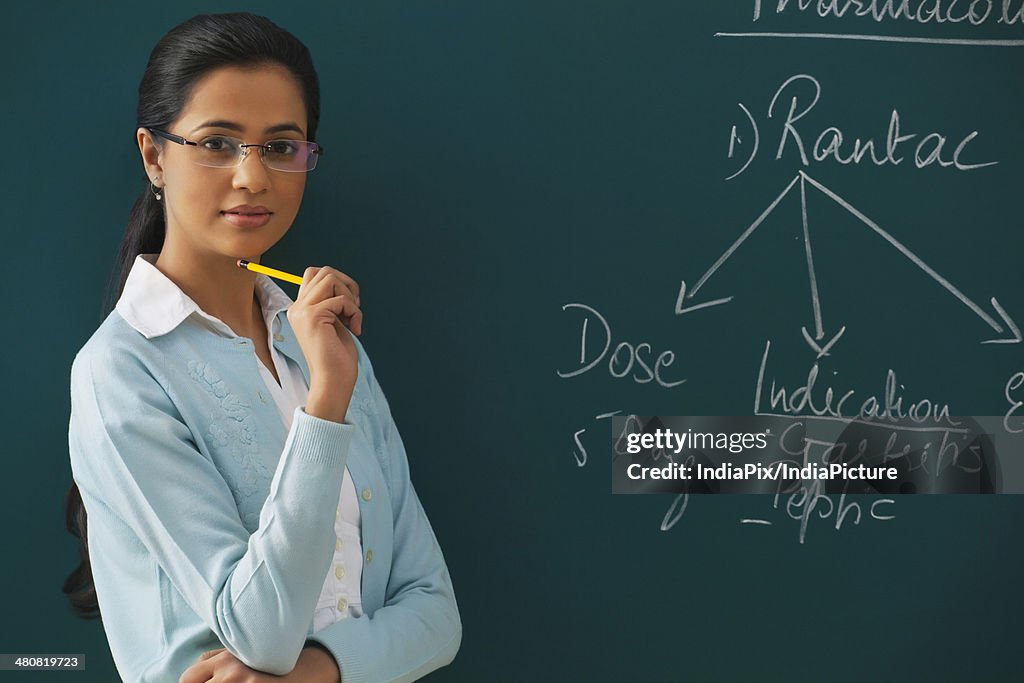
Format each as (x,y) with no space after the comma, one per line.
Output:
(418,629)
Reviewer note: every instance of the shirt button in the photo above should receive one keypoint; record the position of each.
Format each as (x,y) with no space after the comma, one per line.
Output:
(339,571)
(369,556)
(366,494)
(278,337)
(342,604)
(337,544)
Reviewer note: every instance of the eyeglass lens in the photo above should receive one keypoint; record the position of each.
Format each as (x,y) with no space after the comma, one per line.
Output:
(221,151)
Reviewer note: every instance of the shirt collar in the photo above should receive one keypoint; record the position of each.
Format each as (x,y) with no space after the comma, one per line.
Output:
(154,305)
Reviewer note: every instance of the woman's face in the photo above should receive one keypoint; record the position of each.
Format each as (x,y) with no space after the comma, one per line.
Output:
(243,103)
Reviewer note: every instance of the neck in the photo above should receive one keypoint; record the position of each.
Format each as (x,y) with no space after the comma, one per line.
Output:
(217,285)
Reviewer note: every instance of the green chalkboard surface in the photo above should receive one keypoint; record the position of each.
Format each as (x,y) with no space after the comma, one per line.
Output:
(563,212)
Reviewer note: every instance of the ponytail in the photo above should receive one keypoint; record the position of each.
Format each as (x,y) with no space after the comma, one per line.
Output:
(144,235)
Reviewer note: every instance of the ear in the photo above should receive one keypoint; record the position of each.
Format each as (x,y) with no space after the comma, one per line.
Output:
(152,154)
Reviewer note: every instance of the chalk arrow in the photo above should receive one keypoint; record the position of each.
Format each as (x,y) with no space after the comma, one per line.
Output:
(682,295)
(1011,326)
(1011,332)
(822,349)
(819,329)
(916,260)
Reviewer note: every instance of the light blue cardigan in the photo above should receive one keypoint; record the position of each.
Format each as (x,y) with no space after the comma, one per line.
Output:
(210,526)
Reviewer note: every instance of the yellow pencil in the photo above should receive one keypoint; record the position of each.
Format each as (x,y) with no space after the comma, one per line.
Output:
(272,272)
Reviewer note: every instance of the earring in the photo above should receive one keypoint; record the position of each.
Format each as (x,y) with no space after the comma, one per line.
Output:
(156,191)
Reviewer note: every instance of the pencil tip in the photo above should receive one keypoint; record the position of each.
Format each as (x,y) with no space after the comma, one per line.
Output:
(242,263)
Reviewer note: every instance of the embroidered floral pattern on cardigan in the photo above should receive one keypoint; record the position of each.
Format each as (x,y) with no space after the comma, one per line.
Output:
(234,432)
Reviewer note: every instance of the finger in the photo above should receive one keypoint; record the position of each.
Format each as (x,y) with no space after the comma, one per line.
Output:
(210,653)
(352,324)
(343,280)
(346,310)
(356,323)
(327,288)
(313,276)
(355,327)
(342,306)
(313,279)
(347,280)
(307,276)
(200,672)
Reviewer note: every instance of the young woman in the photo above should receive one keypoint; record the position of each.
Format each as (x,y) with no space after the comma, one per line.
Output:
(250,513)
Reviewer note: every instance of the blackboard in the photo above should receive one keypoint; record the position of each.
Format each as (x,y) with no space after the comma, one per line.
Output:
(501,172)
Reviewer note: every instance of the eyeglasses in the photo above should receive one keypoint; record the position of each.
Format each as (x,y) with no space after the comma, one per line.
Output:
(221,151)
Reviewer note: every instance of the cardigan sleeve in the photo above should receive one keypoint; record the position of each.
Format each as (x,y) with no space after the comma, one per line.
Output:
(133,457)
(418,629)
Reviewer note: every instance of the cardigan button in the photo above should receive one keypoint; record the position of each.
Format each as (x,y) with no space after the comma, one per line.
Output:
(278,337)
(369,556)
(367,495)
(342,605)
(339,571)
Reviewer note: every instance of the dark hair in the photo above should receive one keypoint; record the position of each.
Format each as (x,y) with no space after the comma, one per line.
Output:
(189,51)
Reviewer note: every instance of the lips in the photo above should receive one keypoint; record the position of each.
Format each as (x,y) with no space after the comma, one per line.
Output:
(246,216)
(247,210)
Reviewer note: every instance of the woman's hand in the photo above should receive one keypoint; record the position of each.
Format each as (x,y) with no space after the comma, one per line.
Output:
(327,302)
(222,666)
(315,665)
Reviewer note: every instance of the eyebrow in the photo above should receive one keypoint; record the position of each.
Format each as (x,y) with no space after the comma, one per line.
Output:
(234,126)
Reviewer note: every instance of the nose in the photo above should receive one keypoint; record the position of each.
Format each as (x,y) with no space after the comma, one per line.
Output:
(251,174)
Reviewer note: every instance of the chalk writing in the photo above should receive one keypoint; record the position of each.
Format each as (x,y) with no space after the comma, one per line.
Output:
(809,398)
(1015,401)
(626,360)
(804,499)
(975,13)
(831,144)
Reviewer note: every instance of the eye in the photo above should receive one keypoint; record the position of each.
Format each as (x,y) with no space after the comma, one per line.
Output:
(283,147)
(218,143)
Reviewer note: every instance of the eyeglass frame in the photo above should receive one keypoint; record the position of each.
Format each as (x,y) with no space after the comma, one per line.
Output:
(317,149)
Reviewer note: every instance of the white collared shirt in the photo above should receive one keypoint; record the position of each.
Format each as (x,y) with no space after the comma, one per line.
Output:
(153,304)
